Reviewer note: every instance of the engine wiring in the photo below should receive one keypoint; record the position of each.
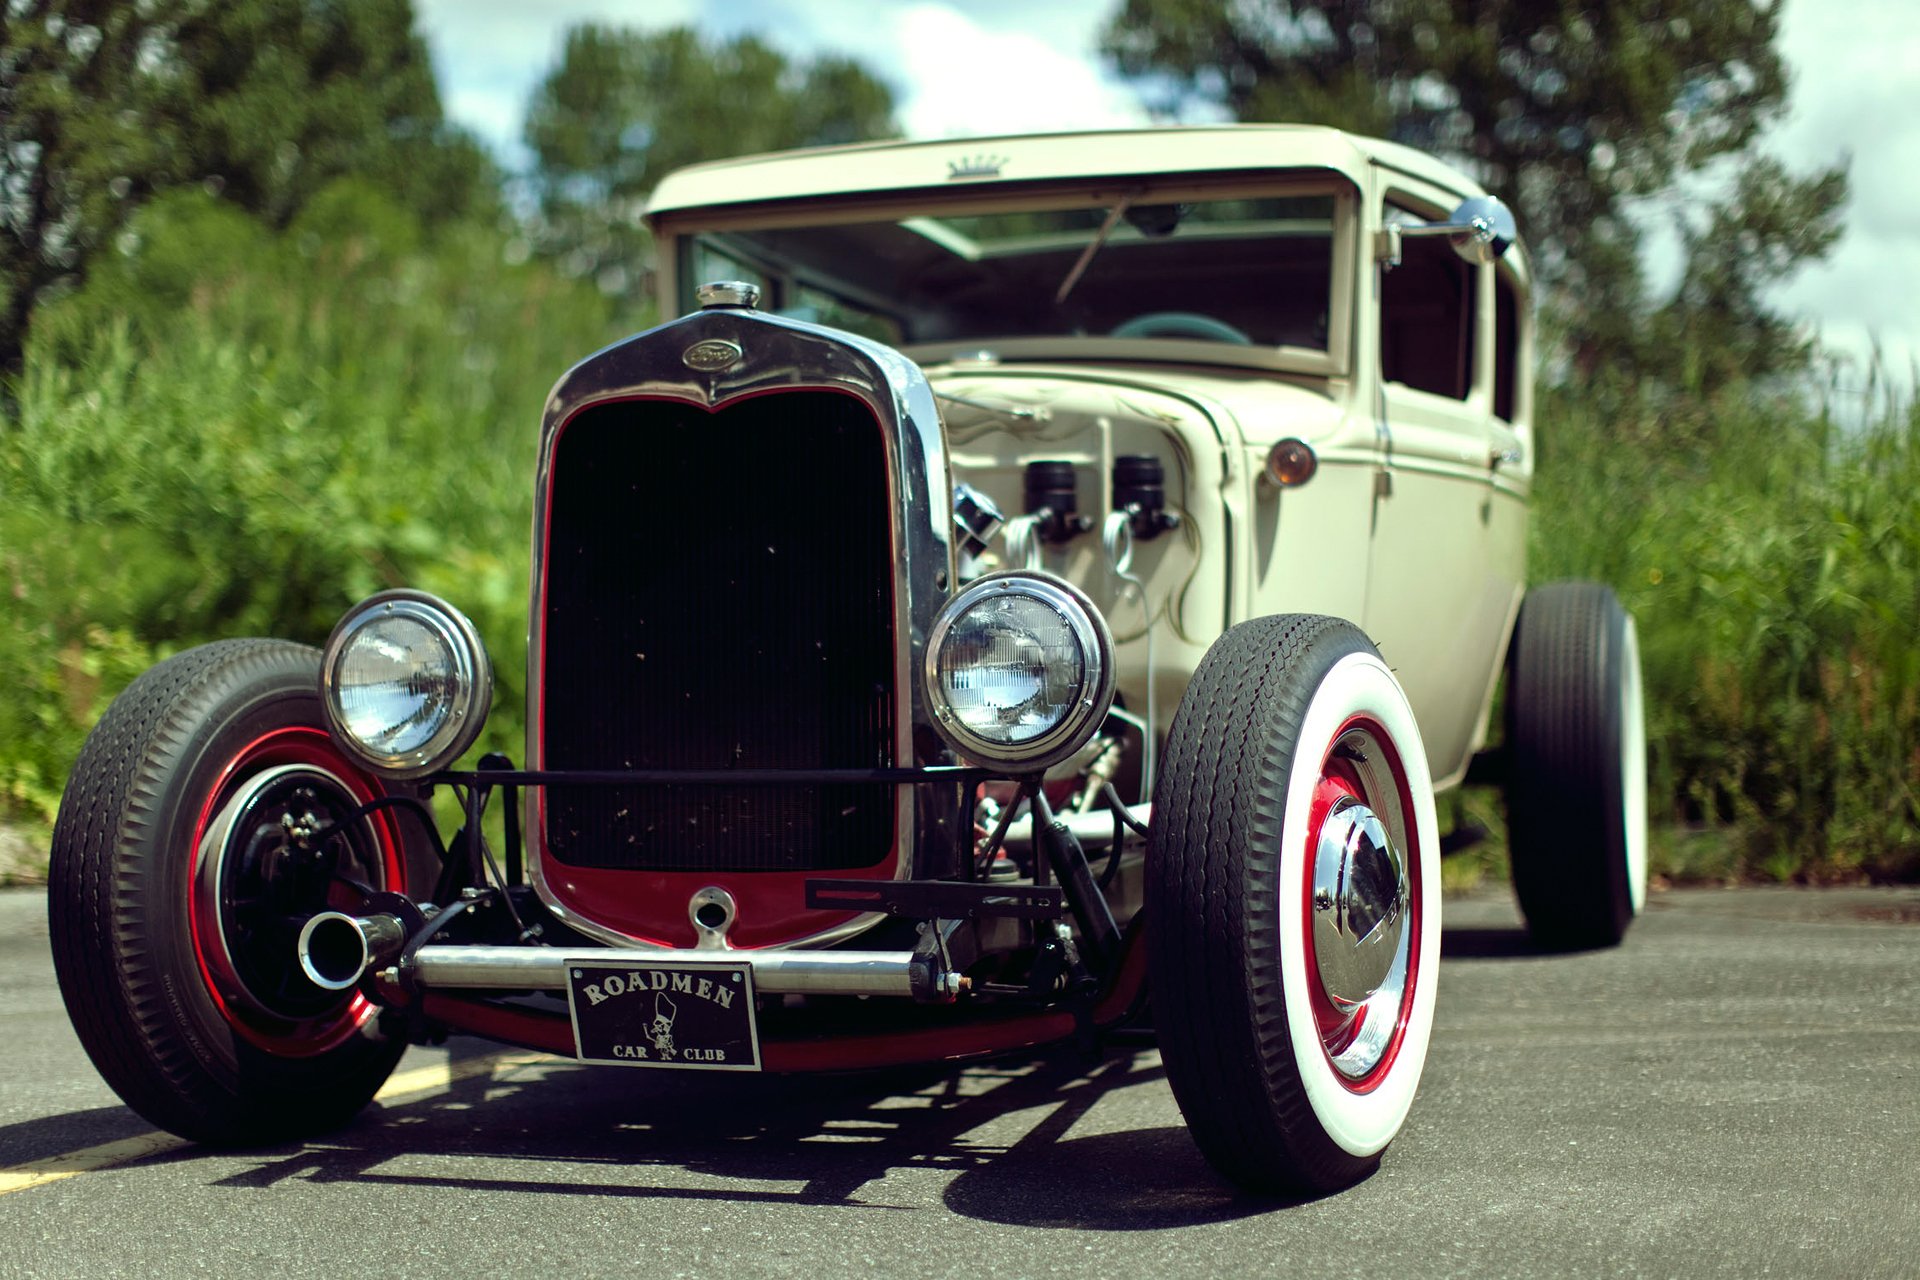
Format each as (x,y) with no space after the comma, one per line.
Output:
(1173,604)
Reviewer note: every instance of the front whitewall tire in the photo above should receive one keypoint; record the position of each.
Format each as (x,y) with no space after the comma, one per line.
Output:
(1292,905)
(1361,1123)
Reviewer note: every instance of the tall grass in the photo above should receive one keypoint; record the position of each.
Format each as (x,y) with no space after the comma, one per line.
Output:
(1772,560)
(236,432)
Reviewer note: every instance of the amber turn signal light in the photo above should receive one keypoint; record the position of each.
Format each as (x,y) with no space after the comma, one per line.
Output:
(1291,463)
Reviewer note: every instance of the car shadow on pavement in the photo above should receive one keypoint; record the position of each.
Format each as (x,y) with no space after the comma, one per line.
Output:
(53,1136)
(797,1140)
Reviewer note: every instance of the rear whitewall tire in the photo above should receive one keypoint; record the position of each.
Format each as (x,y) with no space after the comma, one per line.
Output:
(1576,768)
(1633,768)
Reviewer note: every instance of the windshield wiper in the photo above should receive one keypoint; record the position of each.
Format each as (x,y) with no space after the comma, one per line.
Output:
(1093,246)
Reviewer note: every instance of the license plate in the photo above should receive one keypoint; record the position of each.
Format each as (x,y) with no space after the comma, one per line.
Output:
(689,1015)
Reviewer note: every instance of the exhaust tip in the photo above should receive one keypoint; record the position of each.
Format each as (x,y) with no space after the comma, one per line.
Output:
(333,951)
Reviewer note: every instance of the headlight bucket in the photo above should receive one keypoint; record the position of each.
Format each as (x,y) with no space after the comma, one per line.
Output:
(1019,671)
(405,682)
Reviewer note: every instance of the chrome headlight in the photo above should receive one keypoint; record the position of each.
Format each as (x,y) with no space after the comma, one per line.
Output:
(405,682)
(1019,671)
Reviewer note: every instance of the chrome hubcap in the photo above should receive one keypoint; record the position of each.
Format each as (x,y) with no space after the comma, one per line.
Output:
(1359,904)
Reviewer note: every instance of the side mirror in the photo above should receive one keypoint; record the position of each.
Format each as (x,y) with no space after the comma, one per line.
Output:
(1480,230)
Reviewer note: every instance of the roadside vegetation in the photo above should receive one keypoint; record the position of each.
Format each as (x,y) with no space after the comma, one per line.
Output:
(235,431)
(1771,556)
(252,374)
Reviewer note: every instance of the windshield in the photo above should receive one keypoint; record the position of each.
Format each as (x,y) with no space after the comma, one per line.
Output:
(1250,271)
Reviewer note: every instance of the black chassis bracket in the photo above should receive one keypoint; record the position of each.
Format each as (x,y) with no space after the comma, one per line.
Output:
(939,899)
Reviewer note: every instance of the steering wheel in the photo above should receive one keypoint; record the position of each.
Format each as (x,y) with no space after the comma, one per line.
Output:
(1181,324)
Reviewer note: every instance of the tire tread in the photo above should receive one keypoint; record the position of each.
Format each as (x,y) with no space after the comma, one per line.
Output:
(106,872)
(1563,790)
(1221,794)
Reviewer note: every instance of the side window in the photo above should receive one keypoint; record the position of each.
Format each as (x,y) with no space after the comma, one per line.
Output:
(1426,315)
(1506,346)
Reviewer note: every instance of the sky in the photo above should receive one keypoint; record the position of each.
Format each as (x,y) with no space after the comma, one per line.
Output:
(1008,66)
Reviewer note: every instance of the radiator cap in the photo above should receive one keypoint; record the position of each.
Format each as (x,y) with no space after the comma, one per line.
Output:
(728,293)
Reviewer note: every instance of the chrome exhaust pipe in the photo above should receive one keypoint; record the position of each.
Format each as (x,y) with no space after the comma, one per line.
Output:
(337,949)
(848,973)
(1093,829)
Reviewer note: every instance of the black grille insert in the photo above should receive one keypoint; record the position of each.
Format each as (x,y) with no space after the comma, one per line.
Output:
(719,595)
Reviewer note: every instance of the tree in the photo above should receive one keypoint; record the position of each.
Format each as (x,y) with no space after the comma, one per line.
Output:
(623,108)
(1573,114)
(103,103)
(1719,328)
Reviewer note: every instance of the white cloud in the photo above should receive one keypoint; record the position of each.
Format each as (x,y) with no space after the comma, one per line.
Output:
(1001,66)
(1852,92)
(1012,67)
(963,78)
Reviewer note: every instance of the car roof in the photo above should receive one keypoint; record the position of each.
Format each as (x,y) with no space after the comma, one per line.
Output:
(879,167)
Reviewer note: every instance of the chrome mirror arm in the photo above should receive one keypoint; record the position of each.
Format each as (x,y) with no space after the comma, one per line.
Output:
(1481,229)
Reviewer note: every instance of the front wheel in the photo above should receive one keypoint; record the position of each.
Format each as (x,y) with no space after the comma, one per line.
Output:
(1293,905)
(208,816)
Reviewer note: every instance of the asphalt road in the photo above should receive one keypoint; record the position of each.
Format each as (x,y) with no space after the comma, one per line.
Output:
(1735,1092)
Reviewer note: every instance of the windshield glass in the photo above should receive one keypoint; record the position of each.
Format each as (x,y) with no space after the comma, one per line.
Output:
(1253,271)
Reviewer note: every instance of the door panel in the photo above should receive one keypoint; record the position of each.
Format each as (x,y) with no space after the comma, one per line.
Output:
(1438,599)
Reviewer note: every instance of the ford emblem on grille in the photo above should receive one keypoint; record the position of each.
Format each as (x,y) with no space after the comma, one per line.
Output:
(712,355)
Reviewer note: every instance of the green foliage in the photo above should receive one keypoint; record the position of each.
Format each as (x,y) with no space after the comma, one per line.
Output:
(1773,565)
(1570,114)
(281,98)
(1719,329)
(236,431)
(624,107)
(104,103)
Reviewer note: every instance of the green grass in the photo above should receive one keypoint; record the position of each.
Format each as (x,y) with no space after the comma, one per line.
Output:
(232,432)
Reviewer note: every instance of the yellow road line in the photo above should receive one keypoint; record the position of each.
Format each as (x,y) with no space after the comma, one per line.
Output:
(443,1075)
(36,1173)
(404,1084)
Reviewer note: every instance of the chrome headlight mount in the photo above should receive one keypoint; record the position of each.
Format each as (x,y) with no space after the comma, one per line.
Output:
(405,682)
(1019,671)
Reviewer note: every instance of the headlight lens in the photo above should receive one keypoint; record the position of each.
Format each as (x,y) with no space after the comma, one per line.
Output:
(406,683)
(1019,670)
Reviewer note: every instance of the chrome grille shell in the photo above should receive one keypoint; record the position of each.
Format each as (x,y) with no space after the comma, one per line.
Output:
(777,355)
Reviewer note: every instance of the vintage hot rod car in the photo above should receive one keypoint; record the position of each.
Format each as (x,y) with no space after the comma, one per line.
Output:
(1039,590)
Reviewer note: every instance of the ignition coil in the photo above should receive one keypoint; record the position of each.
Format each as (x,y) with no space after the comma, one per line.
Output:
(1140,490)
(1052,503)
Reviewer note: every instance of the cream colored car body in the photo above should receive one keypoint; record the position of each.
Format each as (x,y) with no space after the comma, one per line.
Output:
(1413,524)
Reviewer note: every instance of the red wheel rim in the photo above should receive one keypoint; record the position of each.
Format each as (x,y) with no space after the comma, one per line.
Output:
(305,1033)
(1362,765)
